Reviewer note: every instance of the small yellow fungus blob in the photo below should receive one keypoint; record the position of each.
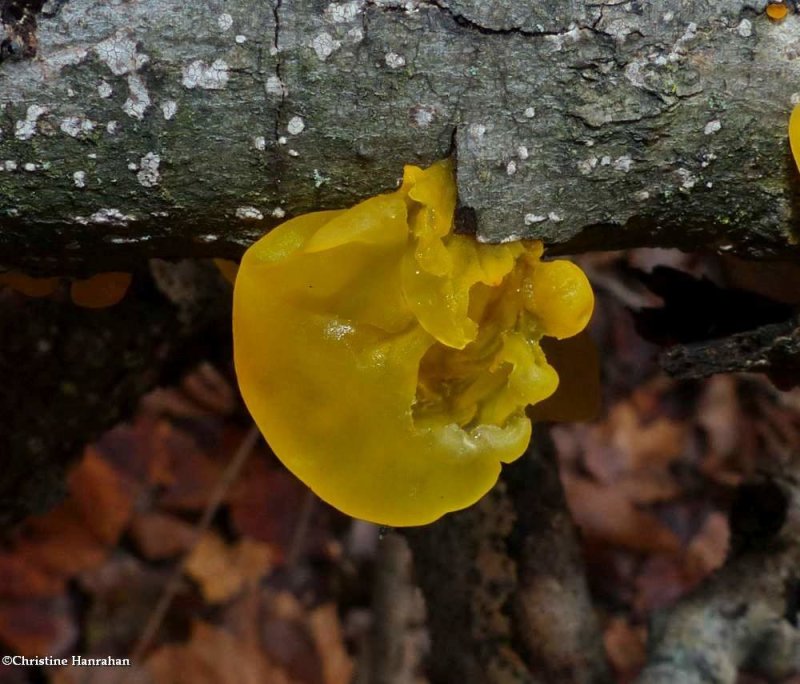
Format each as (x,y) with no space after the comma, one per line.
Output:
(794,134)
(28,285)
(100,290)
(389,361)
(777,11)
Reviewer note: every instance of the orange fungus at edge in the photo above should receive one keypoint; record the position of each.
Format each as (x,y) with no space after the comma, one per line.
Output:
(100,290)
(28,285)
(777,11)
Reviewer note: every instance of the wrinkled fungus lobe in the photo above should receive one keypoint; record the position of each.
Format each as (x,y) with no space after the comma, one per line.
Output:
(388,361)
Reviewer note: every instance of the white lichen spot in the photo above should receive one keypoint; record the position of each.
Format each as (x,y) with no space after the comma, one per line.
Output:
(240,39)
(522,152)
(324,45)
(586,166)
(30,167)
(75,126)
(224,21)
(688,179)
(198,74)
(25,129)
(511,168)
(208,237)
(119,54)
(55,61)
(530,219)
(274,86)
(92,155)
(680,48)
(149,175)
(355,35)
(710,184)
(10,165)
(104,89)
(476,132)
(668,17)
(133,166)
(112,127)
(260,143)
(422,116)
(79,178)
(273,51)
(641,195)
(113,217)
(634,73)
(282,140)
(138,98)
(277,212)
(168,109)
(343,12)
(623,163)
(555,218)
(745,28)
(394,61)
(320,179)
(712,127)
(293,153)
(707,159)
(605,160)
(249,214)
(619,29)
(529,112)
(296,125)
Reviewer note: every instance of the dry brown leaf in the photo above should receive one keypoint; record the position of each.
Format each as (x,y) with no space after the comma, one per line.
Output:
(605,513)
(648,487)
(38,627)
(326,628)
(104,499)
(625,646)
(212,656)
(659,442)
(61,543)
(160,536)
(193,473)
(265,505)
(662,580)
(222,571)
(709,547)
(21,579)
(719,414)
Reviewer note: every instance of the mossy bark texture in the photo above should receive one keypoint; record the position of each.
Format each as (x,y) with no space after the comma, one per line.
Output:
(165,128)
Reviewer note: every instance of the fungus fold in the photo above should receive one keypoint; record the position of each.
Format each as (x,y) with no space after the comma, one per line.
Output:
(389,361)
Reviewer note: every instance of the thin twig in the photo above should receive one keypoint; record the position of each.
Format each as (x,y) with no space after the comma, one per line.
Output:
(300,530)
(215,501)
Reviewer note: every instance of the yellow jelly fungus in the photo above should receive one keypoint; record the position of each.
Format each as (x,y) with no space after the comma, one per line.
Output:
(794,134)
(100,290)
(777,11)
(389,361)
(28,285)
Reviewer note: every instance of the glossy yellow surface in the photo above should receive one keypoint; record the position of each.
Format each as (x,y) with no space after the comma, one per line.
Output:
(794,134)
(389,362)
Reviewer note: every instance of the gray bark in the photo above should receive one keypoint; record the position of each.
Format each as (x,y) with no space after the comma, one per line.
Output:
(158,127)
